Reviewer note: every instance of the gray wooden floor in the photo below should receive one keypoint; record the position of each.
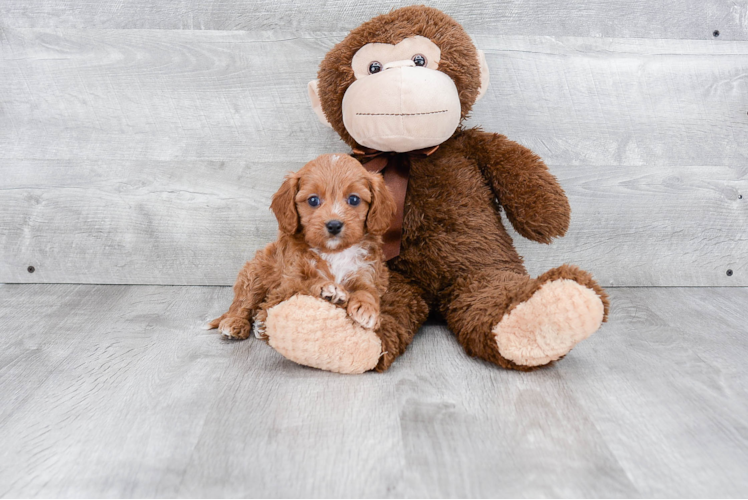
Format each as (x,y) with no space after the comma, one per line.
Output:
(116,391)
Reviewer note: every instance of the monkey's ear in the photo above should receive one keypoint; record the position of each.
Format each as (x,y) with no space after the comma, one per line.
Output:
(382,207)
(316,104)
(283,205)
(483,74)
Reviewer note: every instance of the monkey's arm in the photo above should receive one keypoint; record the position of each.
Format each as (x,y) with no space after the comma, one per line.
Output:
(533,200)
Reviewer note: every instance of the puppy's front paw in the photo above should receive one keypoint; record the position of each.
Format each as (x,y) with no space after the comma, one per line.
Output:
(334,293)
(364,311)
(235,328)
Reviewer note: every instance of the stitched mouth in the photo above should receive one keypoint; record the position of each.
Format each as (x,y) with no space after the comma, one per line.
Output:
(403,114)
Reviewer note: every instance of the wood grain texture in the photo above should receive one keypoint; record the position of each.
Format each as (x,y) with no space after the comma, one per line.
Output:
(138,156)
(607,18)
(651,226)
(135,222)
(184,95)
(197,222)
(113,391)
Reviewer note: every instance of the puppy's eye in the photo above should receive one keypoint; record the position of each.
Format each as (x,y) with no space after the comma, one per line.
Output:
(419,60)
(353,200)
(375,67)
(313,201)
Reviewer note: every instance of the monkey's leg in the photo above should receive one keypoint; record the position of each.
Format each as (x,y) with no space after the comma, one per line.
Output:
(522,323)
(313,332)
(402,312)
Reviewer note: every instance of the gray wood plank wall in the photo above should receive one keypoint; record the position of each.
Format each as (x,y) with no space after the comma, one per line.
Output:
(696,19)
(140,141)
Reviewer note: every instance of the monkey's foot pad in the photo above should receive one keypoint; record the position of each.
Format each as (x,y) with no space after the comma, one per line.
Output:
(313,332)
(549,324)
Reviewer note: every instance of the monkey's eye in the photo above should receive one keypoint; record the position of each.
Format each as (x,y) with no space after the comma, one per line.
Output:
(353,200)
(419,60)
(313,201)
(375,67)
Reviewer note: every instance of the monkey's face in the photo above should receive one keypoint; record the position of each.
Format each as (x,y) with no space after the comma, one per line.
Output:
(399,101)
(400,82)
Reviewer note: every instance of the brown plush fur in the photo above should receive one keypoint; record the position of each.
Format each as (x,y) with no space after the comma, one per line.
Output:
(299,261)
(456,256)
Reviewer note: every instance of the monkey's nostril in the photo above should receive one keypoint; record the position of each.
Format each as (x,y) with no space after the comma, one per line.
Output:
(334,227)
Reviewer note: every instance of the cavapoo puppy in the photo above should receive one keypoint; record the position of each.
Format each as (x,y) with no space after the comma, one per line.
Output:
(331,217)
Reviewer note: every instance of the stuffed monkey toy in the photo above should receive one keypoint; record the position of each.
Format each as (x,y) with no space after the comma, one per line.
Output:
(396,90)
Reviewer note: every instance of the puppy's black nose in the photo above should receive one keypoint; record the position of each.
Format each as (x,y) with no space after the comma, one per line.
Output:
(334,227)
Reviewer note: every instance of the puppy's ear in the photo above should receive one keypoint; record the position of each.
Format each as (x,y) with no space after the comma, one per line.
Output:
(284,205)
(382,207)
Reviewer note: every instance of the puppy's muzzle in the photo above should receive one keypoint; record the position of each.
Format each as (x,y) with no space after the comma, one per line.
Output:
(334,227)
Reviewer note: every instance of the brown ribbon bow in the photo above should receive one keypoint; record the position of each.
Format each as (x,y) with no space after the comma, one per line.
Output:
(395,167)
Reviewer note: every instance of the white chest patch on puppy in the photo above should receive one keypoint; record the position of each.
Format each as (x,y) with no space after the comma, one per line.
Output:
(344,263)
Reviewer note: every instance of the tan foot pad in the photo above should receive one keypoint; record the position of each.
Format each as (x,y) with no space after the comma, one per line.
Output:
(559,315)
(315,333)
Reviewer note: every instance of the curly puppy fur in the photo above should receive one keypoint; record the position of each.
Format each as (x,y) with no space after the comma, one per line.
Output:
(345,266)
(456,256)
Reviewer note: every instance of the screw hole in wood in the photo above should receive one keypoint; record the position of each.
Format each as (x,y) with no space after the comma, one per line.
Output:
(31,269)
(729,272)
(715,33)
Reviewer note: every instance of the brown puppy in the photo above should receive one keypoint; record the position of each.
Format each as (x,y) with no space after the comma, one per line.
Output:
(331,216)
